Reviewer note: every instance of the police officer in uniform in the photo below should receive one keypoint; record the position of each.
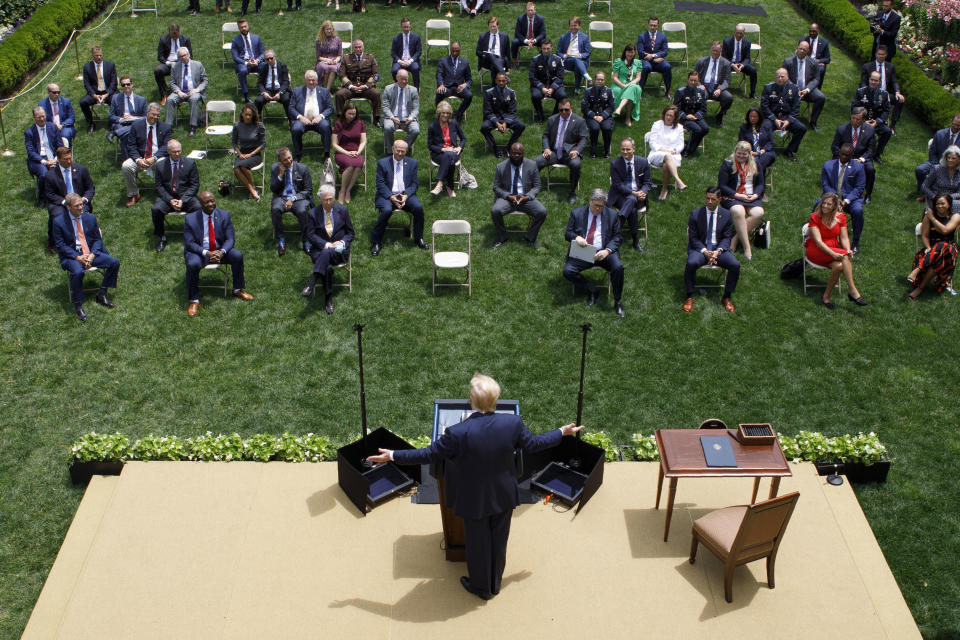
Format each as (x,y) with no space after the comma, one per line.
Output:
(597,107)
(692,102)
(546,79)
(780,104)
(500,113)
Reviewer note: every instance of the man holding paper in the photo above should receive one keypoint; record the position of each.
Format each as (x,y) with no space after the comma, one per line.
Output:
(594,235)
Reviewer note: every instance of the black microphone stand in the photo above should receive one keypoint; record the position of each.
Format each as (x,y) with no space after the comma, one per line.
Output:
(583,363)
(363,397)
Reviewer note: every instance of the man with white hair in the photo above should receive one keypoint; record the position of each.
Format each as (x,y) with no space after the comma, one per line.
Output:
(596,226)
(401,110)
(330,232)
(483,485)
(310,110)
(188,82)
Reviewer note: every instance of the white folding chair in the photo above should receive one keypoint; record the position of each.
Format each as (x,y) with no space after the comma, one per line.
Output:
(262,168)
(219,106)
(147,7)
(601,28)
(225,44)
(917,234)
(434,165)
(348,265)
(436,25)
(753,29)
(551,167)
(360,114)
(103,273)
(221,269)
(590,4)
(341,27)
(451,259)
(672,43)
(804,234)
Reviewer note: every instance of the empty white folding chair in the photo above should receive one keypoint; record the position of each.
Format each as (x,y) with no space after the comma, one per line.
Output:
(221,129)
(344,29)
(451,259)
(671,30)
(227,31)
(751,31)
(600,33)
(441,36)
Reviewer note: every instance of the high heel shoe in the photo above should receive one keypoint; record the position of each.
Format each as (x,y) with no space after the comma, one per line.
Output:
(437,189)
(451,193)
(663,195)
(859,301)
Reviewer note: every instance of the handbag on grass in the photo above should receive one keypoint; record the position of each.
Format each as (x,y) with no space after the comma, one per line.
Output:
(467,181)
(791,270)
(328,175)
(761,235)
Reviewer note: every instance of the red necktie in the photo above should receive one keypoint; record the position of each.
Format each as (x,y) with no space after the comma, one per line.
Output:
(148,152)
(211,233)
(173,182)
(529,28)
(856,137)
(593,229)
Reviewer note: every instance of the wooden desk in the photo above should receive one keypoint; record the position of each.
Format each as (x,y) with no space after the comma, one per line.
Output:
(681,456)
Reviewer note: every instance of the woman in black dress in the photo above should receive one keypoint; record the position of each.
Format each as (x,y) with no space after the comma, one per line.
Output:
(249,139)
(935,262)
(446,140)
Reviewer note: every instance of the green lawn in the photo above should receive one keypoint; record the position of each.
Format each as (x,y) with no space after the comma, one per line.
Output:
(279,363)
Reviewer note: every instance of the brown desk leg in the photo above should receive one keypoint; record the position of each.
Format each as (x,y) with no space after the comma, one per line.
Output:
(774,486)
(670,498)
(756,489)
(659,488)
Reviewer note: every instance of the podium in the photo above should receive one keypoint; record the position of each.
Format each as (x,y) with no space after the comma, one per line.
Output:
(446,413)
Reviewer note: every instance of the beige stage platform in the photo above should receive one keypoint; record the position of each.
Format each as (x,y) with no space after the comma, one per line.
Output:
(247,550)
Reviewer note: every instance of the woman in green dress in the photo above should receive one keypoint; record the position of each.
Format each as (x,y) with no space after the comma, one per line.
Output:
(626,87)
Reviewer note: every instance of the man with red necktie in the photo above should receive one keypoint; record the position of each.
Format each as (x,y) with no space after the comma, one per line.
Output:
(597,226)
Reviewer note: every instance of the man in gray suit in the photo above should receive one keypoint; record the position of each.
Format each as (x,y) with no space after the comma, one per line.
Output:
(401,108)
(804,72)
(516,185)
(714,72)
(292,189)
(188,82)
(563,143)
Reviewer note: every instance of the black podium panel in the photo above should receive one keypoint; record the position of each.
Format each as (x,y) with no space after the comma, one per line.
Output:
(369,485)
(572,471)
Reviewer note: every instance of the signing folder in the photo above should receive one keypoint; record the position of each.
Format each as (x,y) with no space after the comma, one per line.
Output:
(717,451)
(583,253)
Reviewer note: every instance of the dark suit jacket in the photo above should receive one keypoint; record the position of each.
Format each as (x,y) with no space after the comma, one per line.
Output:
(890,29)
(822,54)
(136,141)
(723,71)
(199,75)
(283,77)
(854,180)
(546,72)
(65,239)
(877,103)
(697,229)
(342,227)
(31,140)
(495,108)
(619,182)
(691,101)
(889,72)
(385,177)
(188,179)
(727,180)
(583,42)
(237,48)
(163,48)
(193,231)
(941,140)
(416,47)
(866,141)
(657,46)
(55,188)
(302,181)
(779,102)
(529,175)
(117,106)
(597,102)
(298,102)
(109,78)
(539,29)
(435,136)
(484,40)
(67,117)
(810,71)
(447,77)
(765,137)
(609,226)
(481,479)
(574,139)
(726,50)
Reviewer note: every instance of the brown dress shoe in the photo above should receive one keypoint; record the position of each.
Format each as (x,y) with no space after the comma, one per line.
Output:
(243,295)
(727,305)
(163,101)
(133,200)
(688,305)
(193,309)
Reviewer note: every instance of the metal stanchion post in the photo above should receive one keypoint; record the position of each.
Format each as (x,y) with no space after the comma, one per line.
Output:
(76,49)
(6,150)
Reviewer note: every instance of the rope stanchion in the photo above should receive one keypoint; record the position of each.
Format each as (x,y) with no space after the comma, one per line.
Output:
(76,49)
(7,152)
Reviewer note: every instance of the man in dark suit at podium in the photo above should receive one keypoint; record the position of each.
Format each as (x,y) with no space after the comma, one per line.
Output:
(483,490)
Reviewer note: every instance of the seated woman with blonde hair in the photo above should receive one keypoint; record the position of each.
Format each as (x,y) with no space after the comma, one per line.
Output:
(828,245)
(741,183)
(935,262)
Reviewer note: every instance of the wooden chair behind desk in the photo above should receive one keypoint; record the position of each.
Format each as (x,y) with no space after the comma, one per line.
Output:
(742,534)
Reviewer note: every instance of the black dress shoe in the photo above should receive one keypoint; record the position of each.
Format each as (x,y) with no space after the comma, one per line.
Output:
(465,582)
(533,244)
(281,249)
(80,313)
(867,200)
(307,291)
(572,199)
(859,301)
(377,123)
(375,249)
(813,125)
(161,245)
(329,306)
(636,245)
(499,243)
(789,156)
(592,298)
(880,162)
(619,309)
(102,299)
(423,245)
(500,153)
(193,132)
(91,128)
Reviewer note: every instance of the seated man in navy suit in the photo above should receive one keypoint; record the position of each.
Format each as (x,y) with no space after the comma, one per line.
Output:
(804,72)
(574,49)
(177,181)
(652,47)
(845,177)
(59,111)
(78,241)
(405,51)
(273,83)
(454,80)
(709,232)
(208,239)
(144,144)
(247,51)
(530,31)
(331,232)
(126,108)
(598,226)
(630,183)
(100,82)
(397,190)
(41,141)
(564,140)
(310,110)
(493,49)
(736,49)
(819,50)
(292,188)
(65,178)
(863,138)
(483,488)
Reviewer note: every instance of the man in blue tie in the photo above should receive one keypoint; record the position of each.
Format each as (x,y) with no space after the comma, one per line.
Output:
(405,51)
(516,185)
(247,51)
(397,191)
(65,178)
(273,83)
(736,49)
(454,80)
(125,109)
(292,189)
(709,232)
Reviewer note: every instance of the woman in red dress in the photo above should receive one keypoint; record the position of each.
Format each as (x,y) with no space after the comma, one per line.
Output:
(827,245)
(349,141)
